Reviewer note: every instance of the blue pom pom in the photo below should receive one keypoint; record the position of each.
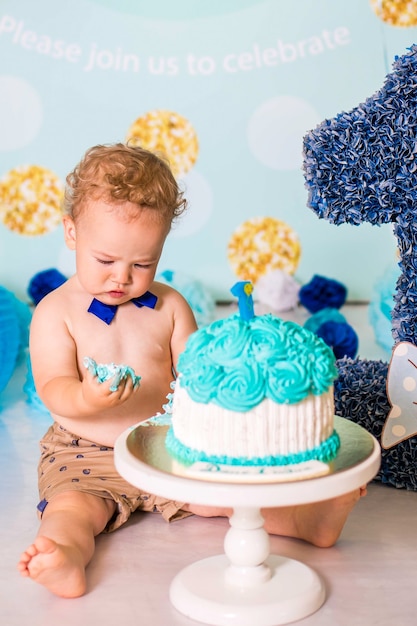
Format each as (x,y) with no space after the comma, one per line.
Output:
(321,293)
(44,282)
(24,316)
(198,297)
(381,306)
(325,315)
(9,336)
(341,337)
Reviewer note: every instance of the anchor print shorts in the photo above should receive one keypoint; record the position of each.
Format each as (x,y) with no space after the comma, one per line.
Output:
(69,463)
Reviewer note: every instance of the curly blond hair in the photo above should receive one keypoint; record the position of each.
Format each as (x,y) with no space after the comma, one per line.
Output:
(120,173)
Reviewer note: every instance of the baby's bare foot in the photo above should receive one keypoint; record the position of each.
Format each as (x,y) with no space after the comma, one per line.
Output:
(322,523)
(319,523)
(59,568)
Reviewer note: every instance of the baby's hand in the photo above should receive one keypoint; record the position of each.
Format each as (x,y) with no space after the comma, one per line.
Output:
(123,380)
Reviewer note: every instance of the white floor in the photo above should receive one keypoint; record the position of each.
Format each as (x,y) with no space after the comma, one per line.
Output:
(370,575)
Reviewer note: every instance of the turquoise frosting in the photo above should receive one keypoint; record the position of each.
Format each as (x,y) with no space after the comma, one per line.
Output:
(236,363)
(107,371)
(325,452)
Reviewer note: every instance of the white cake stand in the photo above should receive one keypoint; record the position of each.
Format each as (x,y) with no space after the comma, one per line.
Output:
(247,585)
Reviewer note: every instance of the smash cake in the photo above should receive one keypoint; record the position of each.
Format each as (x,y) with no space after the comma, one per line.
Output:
(253,392)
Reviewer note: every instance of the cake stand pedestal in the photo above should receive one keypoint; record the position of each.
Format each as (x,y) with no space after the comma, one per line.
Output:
(247,585)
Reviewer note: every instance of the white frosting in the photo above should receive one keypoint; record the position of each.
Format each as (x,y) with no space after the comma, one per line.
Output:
(269,429)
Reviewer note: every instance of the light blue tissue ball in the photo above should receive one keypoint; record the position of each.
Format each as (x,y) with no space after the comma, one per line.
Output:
(9,336)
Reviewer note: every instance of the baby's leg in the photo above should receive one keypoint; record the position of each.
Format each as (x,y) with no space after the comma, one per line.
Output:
(319,523)
(65,542)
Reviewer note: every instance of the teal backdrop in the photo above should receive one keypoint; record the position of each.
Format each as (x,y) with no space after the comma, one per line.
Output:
(249,78)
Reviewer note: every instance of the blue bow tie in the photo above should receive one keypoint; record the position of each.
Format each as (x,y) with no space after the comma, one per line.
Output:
(106,312)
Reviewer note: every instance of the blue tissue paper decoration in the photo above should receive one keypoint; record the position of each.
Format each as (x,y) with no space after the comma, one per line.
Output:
(332,327)
(198,297)
(328,314)
(361,166)
(381,306)
(341,337)
(321,293)
(44,282)
(14,333)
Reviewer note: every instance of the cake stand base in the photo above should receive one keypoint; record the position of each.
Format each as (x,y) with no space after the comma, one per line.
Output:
(201,591)
(247,585)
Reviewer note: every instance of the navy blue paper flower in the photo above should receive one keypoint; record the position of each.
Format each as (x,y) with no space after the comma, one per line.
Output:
(332,327)
(321,293)
(341,337)
(44,282)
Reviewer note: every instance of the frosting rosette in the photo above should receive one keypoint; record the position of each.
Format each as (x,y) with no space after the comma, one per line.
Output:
(236,363)
(229,343)
(323,369)
(196,344)
(241,388)
(267,339)
(202,381)
(288,382)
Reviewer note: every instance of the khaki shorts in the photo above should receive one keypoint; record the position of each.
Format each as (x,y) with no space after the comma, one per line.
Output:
(70,463)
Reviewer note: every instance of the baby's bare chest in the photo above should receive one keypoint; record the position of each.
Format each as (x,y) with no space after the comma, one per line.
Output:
(137,338)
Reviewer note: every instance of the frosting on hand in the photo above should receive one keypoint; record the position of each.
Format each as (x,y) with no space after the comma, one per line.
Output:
(109,371)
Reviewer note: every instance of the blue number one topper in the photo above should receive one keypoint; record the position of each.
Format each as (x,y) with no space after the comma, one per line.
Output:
(361,166)
(243,291)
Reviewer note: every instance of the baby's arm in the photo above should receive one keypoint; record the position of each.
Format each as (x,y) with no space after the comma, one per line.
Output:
(64,390)
(184,326)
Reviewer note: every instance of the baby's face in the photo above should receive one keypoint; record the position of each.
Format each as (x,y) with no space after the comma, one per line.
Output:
(116,256)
